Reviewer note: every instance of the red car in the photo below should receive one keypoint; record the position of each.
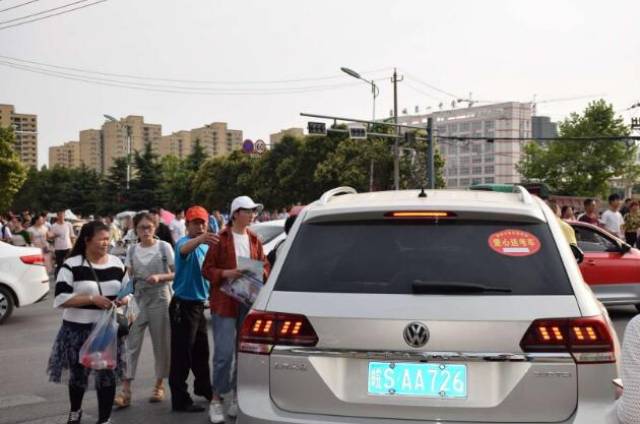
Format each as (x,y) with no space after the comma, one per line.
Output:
(611,267)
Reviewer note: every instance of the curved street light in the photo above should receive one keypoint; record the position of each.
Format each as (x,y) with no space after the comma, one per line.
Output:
(374,88)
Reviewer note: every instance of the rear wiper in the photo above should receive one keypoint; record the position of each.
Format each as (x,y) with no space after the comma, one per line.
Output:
(453,287)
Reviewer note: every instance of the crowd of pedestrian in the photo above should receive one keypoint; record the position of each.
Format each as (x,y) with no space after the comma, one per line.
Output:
(176,270)
(622,219)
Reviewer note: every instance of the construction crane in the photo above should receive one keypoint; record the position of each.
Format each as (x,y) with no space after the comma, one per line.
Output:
(535,103)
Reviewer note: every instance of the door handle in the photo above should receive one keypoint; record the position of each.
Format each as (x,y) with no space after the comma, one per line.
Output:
(591,262)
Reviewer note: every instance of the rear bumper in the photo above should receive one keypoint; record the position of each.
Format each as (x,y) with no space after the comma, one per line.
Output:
(617,294)
(253,412)
(33,287)
(255,406)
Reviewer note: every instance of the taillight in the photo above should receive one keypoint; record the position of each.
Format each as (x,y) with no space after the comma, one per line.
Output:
(588,339)
(420,215)
(32,259)
(263,330)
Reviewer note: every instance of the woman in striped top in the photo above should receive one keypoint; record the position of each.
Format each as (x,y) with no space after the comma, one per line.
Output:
(77,292)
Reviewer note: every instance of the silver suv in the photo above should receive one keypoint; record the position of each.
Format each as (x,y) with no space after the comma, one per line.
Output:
(436,306)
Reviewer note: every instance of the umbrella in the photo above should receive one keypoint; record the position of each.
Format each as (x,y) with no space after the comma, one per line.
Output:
(166,216)
(125,214)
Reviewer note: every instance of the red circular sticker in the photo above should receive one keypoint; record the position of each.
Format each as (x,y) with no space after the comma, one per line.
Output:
(514,243)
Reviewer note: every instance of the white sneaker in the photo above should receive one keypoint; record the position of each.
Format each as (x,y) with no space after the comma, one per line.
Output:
(216,412)
(233,407)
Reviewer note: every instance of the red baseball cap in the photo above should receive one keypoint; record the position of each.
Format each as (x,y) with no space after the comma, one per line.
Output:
(196,212)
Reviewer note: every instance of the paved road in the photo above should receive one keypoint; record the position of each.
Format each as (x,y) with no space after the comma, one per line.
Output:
(27,397)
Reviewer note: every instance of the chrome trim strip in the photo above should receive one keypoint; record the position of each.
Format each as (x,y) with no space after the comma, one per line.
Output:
(559,357)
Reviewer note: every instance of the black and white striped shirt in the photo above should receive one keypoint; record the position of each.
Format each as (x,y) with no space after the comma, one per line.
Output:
(75,277)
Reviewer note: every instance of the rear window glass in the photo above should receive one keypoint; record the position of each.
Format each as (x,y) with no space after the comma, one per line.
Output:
(391,256)
(266,233)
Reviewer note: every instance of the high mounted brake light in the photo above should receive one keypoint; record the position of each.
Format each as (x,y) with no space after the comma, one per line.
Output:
(588,339)
(263,330)
(419,214)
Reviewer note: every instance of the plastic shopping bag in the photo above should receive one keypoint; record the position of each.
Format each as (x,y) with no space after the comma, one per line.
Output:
(131,310)
(100,350)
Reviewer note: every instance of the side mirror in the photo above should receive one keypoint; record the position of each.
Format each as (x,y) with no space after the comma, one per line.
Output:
(624,248)
(577,253)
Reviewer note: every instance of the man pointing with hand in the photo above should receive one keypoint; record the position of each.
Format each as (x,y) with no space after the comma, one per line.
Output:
(189,340)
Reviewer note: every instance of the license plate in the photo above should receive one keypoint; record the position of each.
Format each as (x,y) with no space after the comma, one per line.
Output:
(445,381)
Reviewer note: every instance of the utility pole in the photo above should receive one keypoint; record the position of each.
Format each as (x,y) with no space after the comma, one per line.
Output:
(430,155)
(396,149)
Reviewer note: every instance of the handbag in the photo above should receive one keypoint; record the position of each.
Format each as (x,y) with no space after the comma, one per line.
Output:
(121,319)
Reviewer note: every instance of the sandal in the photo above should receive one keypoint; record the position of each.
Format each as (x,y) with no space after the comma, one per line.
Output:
(158,394)
(122,399)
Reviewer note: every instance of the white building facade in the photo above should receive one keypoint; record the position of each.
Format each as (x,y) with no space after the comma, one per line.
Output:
(487,159)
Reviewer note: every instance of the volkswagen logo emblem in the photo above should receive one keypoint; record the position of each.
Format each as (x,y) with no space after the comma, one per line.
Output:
(416,334)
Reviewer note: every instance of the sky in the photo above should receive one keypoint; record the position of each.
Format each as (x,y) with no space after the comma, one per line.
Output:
(258,64)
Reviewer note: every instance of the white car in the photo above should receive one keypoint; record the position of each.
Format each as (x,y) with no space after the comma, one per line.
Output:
(270,233)
(429,306)
(23,278)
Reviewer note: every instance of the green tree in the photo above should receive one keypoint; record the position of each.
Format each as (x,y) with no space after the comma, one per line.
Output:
(176,183)
(196,158)
(12,172)
(115,197)
(145,187)
(582,167)
(83,194)
(219,180)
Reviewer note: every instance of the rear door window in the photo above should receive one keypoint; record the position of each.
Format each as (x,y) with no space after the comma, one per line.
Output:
(388,257)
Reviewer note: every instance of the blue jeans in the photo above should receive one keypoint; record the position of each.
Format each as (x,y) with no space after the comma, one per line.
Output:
(224,348)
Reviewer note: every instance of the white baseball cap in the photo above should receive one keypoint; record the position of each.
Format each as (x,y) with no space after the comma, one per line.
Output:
(245,202)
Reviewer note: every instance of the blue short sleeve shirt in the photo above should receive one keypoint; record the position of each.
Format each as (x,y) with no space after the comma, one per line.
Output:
(188,283)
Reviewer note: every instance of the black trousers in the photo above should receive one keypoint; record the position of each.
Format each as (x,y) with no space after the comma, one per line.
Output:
(60,256)
(189,351)
(632,238)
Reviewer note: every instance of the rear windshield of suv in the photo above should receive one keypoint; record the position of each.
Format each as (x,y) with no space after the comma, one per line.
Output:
(390,257)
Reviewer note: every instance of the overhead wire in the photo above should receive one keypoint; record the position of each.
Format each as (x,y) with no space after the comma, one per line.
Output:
(431,86)
(185,81)
(64,6)
(19,5)
(173,89)
(49,16)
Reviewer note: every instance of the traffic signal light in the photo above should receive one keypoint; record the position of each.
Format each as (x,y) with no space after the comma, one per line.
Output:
(357,133)
(317,128)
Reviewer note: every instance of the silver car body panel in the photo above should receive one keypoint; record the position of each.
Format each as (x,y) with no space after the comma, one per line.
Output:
(327,383)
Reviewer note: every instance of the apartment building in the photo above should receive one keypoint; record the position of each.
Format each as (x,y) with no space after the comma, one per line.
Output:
(292,132)
(65,156)
(25,127)
(216,139)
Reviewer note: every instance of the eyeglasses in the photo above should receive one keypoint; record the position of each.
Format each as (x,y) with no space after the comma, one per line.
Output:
(247,210)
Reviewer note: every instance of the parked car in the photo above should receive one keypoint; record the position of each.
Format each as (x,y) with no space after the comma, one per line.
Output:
(426,306)
(611,267)
(23,278)
(270,233)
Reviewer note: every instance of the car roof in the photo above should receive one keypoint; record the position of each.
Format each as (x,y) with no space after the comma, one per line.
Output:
(519,203)
(272,223)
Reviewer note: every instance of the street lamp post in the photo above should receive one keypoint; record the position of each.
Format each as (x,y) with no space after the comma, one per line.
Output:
(375,92)
(127,147)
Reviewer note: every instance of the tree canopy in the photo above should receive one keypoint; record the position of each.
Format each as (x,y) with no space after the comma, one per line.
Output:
(583,167)
(295,171)
(12,172)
